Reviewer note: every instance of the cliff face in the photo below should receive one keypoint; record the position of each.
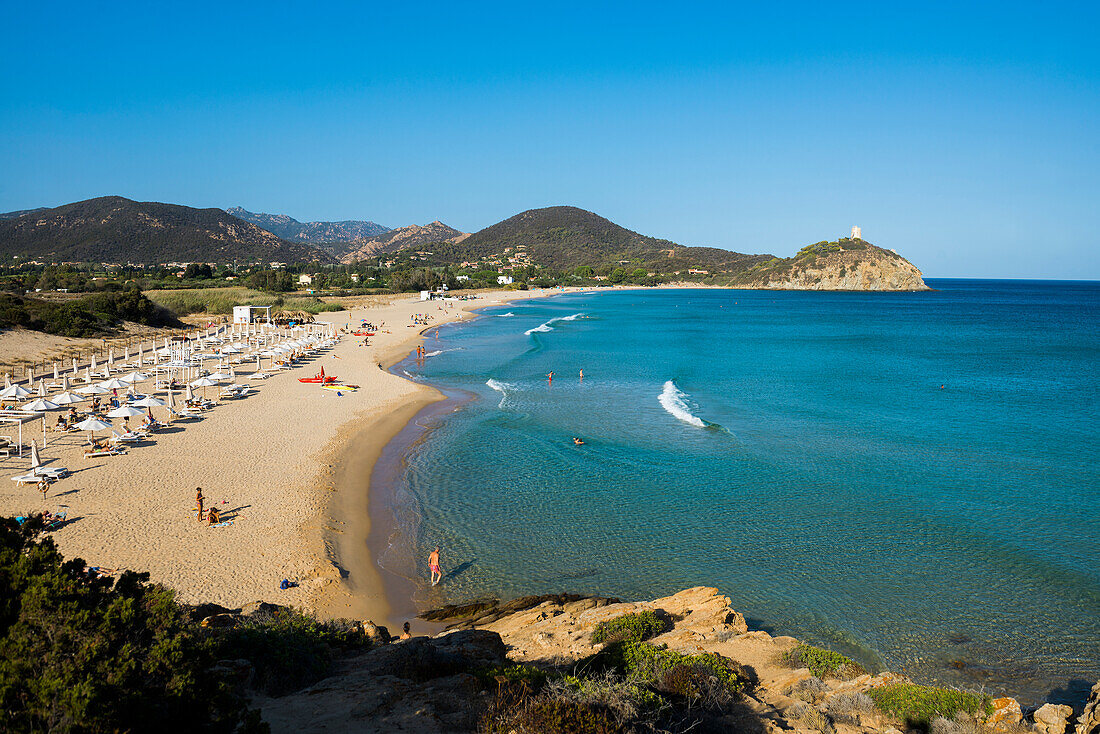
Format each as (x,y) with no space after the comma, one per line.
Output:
(396,239)
(846,265)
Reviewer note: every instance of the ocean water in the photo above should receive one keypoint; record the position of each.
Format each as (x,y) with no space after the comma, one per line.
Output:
(908,478)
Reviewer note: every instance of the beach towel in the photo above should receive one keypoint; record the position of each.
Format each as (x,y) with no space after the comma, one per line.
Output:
(225,524)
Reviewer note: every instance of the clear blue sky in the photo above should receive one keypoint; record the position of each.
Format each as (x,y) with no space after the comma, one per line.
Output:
(966,136)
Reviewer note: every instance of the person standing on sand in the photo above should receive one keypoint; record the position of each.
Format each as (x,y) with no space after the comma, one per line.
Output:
(433,564)
(199,498)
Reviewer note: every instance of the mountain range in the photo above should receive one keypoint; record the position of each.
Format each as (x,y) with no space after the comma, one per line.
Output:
(119,230)
(313,233)
(554,239)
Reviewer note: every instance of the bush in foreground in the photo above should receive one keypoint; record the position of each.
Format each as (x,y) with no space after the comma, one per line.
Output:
(822,662)
(634,627)
(919,705)
(83,654)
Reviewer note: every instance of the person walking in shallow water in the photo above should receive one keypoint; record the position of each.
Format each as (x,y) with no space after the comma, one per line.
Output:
(433,564)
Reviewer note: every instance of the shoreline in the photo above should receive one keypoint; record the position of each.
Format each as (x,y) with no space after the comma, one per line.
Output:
(358,520)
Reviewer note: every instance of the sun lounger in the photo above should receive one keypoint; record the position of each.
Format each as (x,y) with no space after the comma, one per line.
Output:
(31,478)
(101,453)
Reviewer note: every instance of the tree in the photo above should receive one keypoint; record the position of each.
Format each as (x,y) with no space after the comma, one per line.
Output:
(82,653)
(618,275)
(584,271)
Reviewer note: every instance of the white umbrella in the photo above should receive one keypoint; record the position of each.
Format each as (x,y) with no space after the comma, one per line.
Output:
(41,388)
(55,375)
(114,384)
(136,377)
(14,391)
(92,425)
(35,460)
(93,390)
(204,382)
(190,394)
(67,398)
(93,362)
(218,376)
(74,366)
(125,412)
(41,404)
(149,402)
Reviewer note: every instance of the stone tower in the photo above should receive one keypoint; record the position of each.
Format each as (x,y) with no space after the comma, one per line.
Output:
(857,234)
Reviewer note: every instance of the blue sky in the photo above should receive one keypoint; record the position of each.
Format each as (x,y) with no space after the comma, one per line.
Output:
(964,135)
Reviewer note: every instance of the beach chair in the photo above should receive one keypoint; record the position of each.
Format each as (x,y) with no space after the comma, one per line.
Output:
(100,453)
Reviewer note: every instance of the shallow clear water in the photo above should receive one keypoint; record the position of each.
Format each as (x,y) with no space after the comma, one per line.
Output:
(795,450)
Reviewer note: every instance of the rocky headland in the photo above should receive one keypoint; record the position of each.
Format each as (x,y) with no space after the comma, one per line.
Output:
(686,662)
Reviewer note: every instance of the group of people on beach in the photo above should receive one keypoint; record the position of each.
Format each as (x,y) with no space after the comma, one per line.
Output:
(213,515)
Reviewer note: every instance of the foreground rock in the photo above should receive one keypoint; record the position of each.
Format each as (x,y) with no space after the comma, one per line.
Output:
(429,684)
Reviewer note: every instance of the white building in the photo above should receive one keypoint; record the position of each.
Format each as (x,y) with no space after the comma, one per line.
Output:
(462,278)
(505,280)
(304,279)
(251,314)
(857,234)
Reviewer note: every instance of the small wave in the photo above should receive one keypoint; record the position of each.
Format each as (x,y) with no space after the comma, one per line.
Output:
(672,400)
(500,387)
(441,351)
(549,325)
(505,315)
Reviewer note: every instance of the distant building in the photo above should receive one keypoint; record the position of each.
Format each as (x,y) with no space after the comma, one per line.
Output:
(462,278)
(355,277)
(304,279)
(857,234)
(505,280)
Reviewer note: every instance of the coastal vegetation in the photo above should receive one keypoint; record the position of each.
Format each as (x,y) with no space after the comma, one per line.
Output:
(631,628)
(918,705)
(95,314)
(222,300)
(822,663)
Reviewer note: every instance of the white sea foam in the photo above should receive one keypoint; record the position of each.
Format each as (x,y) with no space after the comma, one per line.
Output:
(500,387)
(549,325)
(672,400)
(441,351)
(505,315)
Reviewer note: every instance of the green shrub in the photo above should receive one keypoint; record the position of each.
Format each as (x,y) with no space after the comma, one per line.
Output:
(560,716)
(918,705)
(822,662)
(634,627)
(527,675)
(290,650)
(88,654)
(647,664)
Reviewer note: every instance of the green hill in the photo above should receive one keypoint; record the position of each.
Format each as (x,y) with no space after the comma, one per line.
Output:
(565,237)
(112,229)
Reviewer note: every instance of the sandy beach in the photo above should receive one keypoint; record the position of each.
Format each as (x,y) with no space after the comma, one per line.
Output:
(289,463)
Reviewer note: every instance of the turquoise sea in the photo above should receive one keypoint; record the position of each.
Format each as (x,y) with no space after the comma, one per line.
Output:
(908,478)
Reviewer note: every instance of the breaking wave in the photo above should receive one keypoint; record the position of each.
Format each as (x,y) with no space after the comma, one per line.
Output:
(672,400)
(441,351)
(505,315)
(500,387)
(548,326)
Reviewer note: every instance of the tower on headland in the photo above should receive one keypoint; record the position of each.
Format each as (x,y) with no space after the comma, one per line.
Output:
(857,234)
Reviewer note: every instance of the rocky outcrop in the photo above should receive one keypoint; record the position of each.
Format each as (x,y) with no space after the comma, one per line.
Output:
(846,265)
(1089,720)
(426,684)
(396,239)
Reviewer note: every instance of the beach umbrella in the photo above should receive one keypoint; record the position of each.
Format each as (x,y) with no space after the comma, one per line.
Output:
(208,381)
(14,391)
(91,425)
(125,411)
(149,402)
(126,355)
(93,362)
(87,374)
(190,394)
(92,390)
(74,366)
(40,405)
(36,461)
(217,376)
(67,398)
(41,388)
(111,358)
(114,384)
(136,377)
(7,380)
(55,375)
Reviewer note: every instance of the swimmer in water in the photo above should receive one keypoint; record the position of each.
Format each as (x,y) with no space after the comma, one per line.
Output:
(550,377)
(582,374)
(577,441)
